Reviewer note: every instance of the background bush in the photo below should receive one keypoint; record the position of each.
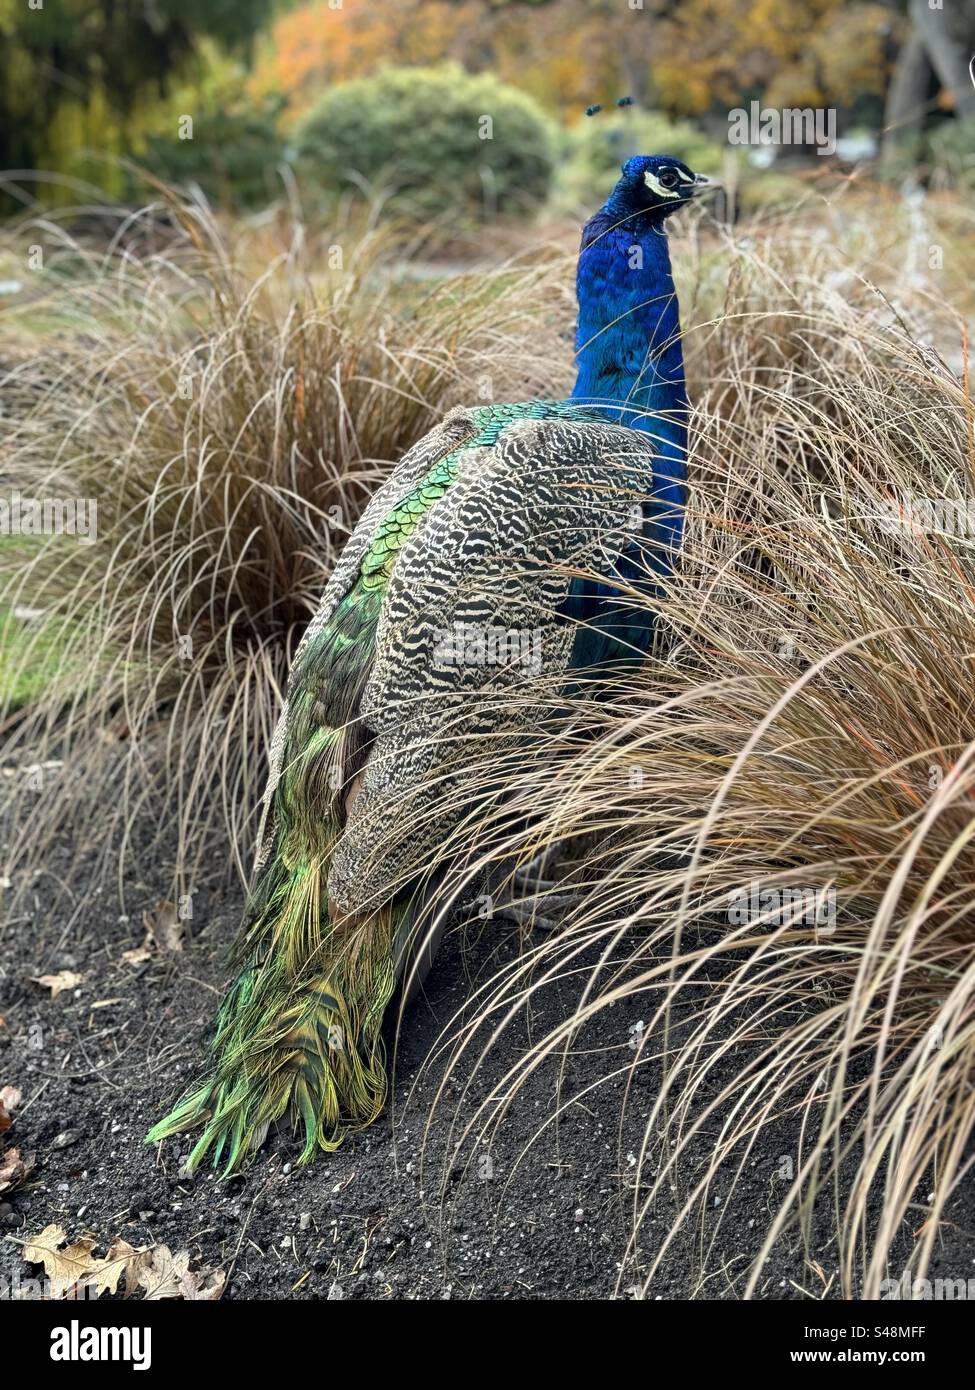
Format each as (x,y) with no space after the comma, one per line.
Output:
(942,157)
(234,155)
(951,151)
(419,130)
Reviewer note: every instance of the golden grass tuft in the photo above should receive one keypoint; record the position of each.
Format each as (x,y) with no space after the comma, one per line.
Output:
(230,399)
(809,724)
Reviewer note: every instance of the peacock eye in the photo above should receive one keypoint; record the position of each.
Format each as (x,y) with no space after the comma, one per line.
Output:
(668,177)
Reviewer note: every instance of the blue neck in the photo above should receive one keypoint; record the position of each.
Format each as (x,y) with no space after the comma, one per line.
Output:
(628,348)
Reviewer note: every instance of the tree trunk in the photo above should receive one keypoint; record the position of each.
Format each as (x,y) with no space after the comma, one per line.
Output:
(908,92)
(946,55)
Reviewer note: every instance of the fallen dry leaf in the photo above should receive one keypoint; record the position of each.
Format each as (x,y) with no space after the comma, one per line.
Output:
(10,1099)
(119,1260)
(164,930)
(14,1170)
(137,955)
(164,933)
(165,1275)
(130,1257)
(64,1268)
(161,1271)
(204,1285)
(64,979)
(154,1269)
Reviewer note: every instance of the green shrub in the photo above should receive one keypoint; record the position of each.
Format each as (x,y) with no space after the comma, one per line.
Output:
(452,148)
(951,147)
(233,155)
(595,149)
(943,155)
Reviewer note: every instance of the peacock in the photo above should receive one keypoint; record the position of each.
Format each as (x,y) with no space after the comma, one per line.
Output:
(540,516)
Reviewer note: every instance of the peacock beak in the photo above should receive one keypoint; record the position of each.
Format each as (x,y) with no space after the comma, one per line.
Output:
(702,184)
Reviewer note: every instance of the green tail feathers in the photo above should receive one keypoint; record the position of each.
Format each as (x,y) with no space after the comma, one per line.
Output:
(297,1036)
(305,1045)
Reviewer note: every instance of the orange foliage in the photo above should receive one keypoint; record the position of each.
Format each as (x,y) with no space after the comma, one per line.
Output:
(796,52)
(566,53)
(316,45)
(686,59)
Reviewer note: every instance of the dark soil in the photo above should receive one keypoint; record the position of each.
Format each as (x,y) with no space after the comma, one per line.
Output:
(535,1211)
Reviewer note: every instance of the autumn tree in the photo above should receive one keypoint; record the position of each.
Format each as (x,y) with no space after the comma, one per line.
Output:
(688,57)
(74,74)
(565,53)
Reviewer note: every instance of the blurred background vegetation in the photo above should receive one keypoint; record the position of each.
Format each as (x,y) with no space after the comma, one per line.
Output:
(243,97)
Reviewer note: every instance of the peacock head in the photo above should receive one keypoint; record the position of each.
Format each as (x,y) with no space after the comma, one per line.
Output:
(656,185)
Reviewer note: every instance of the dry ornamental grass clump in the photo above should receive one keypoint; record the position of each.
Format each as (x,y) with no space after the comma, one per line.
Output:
(775,824)
(230,404)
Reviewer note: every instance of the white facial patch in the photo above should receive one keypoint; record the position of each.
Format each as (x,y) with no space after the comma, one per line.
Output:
(654,184)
